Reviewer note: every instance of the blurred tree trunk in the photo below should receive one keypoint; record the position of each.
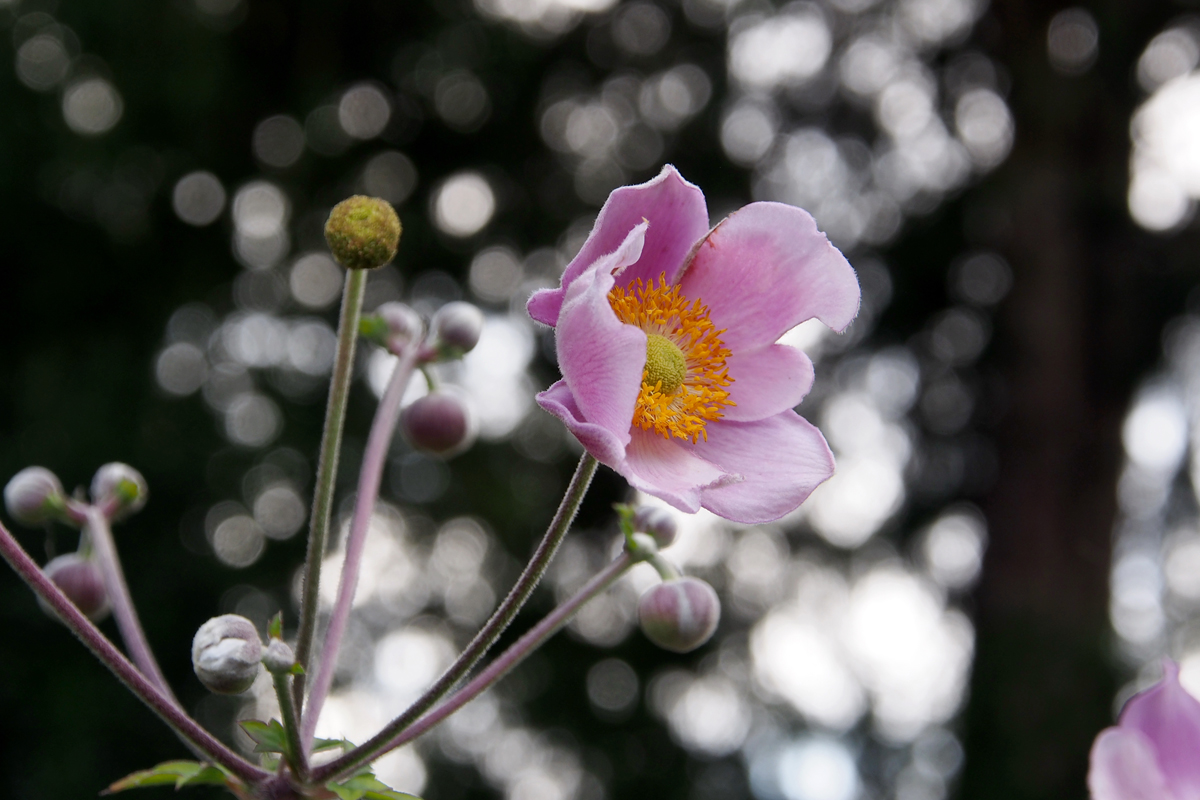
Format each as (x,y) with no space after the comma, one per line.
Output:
(1081,326)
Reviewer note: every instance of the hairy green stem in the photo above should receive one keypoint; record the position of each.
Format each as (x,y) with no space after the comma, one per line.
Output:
(382,743)
(291,724)
(331,443)
(186,728)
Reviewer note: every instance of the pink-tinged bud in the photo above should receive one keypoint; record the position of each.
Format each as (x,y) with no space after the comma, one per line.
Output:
(33,496)
(438,423)
(122,486)
(457,327)
(226,653)
(658,522)
(679,615)
(81,581)
(404,326)
(278,657)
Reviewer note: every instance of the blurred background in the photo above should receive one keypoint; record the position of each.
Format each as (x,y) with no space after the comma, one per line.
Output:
(1011,541)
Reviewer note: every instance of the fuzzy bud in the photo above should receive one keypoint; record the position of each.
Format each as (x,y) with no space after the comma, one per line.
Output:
(403,325)
(226,653)
(679,615)
(363,232)
(81,581)
(438,423)
(658,522)
(121,485)
(278,657)
(457,327)
(33,496)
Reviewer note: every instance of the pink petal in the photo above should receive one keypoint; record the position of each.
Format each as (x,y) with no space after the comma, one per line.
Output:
(600,357)
(765,269)
(1122,767)
(678,219)
(596,439)
(1170,718)
(780,459)
(667,469)
(767,381)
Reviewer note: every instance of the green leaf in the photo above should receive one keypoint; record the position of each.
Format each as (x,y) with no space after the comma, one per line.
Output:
(179,773)
(320,744)
(275,626)
(390,794)
(269,737)
(296,669)
(366,786)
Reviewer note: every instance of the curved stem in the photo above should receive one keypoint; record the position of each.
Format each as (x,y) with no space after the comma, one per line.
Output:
(100,534)
(186,728)
(331,443)
(551,624)
(503,616)
(378,441)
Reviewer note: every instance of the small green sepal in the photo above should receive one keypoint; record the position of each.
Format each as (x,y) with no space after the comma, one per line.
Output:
(269,737)
(179,773)
(275,626)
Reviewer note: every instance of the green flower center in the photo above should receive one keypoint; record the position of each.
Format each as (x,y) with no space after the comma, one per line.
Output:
(665,364)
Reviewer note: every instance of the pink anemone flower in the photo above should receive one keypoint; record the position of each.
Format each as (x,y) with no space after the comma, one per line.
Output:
(667,333)
(1153,753)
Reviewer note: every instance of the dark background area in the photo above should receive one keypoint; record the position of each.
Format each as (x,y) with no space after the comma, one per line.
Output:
(82,315)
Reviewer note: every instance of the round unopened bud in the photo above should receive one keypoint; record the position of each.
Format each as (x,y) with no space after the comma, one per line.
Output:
(457,327)
(226,653)
(679,615)
(81,581)
(438,423)
(363,232)
(121,485)
(278,657)
(404,326)
(658,522)
(33,496)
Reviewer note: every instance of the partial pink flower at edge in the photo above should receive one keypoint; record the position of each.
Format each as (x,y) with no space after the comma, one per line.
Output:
(1153,753)
(762,271)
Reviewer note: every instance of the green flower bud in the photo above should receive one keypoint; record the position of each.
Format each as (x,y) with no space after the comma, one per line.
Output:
(121,485)
(363,232)
(81,581)
(33,496)
(226,653)
(658,522)
(456,328)
(679,615)
(438,423)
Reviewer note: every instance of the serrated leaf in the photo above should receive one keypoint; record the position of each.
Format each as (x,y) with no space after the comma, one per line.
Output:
(179,773)
(328,744)
(269,737)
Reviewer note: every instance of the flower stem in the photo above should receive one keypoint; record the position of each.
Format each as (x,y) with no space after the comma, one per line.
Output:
(100,534)
(503,616)
(141,686)
(378,441)
(291,724)
(382,742)
(331,443)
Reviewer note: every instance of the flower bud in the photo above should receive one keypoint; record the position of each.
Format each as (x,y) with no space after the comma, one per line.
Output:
(33,496)
(457,327)
(438,423)
(121,485)
(658,522)
(278,657)
(404,326)
(363,232)
(81,581)
(226,653)
(679,615)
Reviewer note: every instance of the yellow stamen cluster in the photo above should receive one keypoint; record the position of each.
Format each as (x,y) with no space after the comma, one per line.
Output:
(677,332)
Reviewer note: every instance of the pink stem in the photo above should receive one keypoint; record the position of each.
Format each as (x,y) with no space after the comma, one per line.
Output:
(532,640)
(149,693)
(378,442)
(97,528)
